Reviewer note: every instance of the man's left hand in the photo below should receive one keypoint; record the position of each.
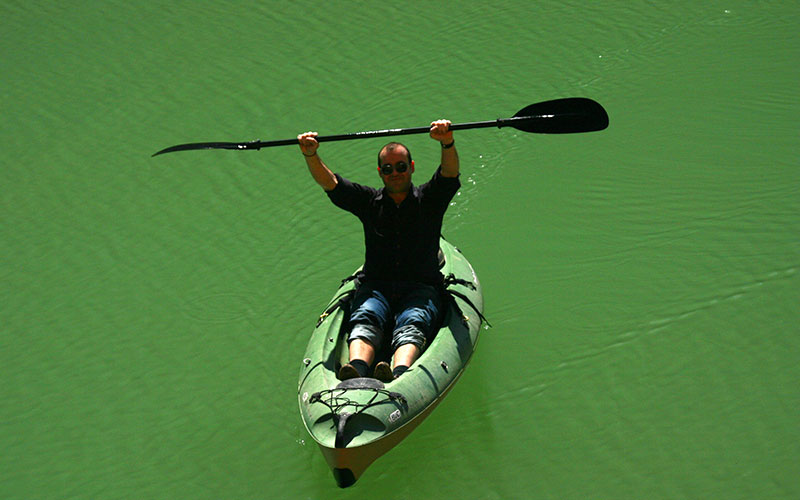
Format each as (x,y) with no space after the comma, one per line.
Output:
(440,131)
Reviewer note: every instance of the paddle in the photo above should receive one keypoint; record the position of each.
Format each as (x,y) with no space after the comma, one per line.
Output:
(560,116)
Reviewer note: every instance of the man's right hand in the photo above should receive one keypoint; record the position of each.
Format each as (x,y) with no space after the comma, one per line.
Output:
(308,143)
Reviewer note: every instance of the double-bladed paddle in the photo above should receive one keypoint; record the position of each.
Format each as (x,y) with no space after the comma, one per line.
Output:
(560,116)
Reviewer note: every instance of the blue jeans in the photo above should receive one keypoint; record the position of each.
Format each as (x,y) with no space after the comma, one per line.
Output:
(409,309)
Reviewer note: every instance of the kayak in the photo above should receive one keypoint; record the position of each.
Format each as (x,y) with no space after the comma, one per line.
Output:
(356,421)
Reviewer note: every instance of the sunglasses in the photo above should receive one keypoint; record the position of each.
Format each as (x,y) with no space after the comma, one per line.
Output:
(388,168)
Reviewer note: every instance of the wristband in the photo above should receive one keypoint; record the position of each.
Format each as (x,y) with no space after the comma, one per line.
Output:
(448,146)
(309,156)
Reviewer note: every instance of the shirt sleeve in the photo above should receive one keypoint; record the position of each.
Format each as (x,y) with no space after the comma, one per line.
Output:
(440,189)
(351,196)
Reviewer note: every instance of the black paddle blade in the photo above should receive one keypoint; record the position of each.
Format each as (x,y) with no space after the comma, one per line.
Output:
(561,116)
(208,145)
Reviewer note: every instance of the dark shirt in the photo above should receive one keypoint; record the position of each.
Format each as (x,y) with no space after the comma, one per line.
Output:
(402,242)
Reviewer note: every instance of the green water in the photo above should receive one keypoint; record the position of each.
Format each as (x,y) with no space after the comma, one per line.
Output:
(642,281)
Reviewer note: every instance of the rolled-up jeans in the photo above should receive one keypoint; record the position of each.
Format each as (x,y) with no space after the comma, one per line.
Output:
(409,309)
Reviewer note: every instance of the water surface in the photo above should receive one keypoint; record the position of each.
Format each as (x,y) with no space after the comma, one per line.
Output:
(642,281)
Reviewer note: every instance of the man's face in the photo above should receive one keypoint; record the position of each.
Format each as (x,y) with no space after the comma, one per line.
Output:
(396,182)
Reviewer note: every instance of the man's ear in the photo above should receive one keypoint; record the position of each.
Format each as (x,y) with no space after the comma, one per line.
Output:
(412,166)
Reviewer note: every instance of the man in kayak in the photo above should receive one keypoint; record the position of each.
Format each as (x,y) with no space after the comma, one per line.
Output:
(402,223)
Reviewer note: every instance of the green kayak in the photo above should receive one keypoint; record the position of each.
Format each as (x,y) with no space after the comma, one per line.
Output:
(356,421)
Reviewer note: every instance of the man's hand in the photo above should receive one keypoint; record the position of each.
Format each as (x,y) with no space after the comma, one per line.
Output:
(440,131)
(308,143)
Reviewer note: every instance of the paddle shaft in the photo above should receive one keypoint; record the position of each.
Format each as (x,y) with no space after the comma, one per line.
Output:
(500,122)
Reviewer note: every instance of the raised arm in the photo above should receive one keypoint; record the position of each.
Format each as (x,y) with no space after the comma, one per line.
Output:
(440,131)
(319,171)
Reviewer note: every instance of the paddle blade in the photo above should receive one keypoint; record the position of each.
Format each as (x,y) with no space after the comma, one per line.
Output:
(207,145)
(561,116)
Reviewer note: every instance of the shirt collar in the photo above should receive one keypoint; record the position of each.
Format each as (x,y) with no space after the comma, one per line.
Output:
(412,193)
